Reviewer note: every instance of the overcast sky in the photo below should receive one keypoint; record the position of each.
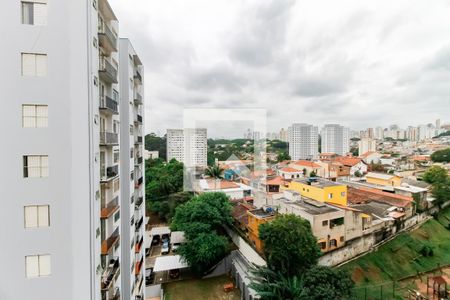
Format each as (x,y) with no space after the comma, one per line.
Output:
(357,63)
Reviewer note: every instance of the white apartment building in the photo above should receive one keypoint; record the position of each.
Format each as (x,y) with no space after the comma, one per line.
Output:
(367,145)
(379,133)
(335,139)
(189,145)
(65,210)
(303,141)
(132,170)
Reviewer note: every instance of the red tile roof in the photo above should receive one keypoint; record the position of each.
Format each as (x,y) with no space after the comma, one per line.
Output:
(224,184)
(276,181)
(364,195)
(289,170)
(348,161)
(307,163)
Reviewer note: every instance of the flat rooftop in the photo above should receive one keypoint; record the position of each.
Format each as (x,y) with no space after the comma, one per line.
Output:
(318,182)
(311,206)
(262,213)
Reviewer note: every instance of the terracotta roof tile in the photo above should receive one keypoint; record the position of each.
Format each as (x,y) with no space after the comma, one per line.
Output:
(307,163)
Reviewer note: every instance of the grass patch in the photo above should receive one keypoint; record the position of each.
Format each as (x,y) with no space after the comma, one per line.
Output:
(402,256)
(207,289)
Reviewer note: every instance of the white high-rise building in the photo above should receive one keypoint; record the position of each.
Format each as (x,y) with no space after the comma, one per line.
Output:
(335,139)
(379,133)
(188,145)
(67,214)
(367,145)
(283,135)
(303,141)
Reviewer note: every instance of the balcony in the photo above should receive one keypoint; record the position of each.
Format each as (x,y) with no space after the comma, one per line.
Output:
(139,161)
(110,274)
(139,223)
(108,104)
(138,140)
(137,78)
(138,99)
(111,172)
(138,266)
(138,119)
(107,72)
(109,138)
(138,182)
(110,208)
(138,246)
(110,242)
(107,40)
(139,202)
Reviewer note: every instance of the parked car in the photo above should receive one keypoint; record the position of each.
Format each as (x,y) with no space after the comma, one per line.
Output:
(174,274)
(165,248)
(165,238)
(155,240)
(149,276)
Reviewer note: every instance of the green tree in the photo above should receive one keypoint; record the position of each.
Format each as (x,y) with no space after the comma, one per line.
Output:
(441,155)
(441,192)
(289,245)
(271,285)
(203,251)
(156,143)
(358,173)
(282,156)
(214,171)
(435,174)
(325,283)
(312,174)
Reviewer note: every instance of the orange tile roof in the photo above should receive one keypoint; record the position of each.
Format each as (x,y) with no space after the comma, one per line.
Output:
(327,154)
(289,170)
(307,163)
(348,161)
(224,184)
(276,181)
(364,195)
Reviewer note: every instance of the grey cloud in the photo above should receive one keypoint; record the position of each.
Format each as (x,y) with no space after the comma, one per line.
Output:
(216,78)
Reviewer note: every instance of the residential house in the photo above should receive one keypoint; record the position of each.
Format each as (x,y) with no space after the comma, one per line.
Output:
(321,190)
(306,166)
(383,179)
(255,218)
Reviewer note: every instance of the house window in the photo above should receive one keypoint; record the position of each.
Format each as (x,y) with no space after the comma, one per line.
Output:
(35,166)
(323,245)
(333,243)
(34,13)
(37,266)
(37,216)
(341,239)
(34,64)
(330,196)
(325,223)
(34,116)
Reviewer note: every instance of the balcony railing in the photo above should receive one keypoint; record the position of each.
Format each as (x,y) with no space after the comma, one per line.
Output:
(107,71)
(139,266)
(108,103)
(138,246)
(137,99)
(139,223)
(110,208)
(139,182)
(112,171)
(139,202)
(107,39)
(109,138)
(110,273)
(110,242)
(138,77)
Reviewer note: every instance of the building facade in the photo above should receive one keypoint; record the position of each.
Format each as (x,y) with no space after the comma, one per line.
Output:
(367,145)
(64,217)
(335,139)
(189,146)
(303,141)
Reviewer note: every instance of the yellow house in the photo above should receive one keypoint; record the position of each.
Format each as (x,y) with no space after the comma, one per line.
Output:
(257,217)
(383,179)
(321,190)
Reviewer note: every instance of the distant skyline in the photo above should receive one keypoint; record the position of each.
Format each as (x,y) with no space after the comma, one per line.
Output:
(356,63)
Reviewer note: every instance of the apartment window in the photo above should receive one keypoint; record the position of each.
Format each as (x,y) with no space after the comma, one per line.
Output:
(116,157)
(131,129)
(34,13)
(34,116)
(34,64)
(37,216)
(116,185)
(35,166)
(131,153)
(117,216)
(132,176)
(325,223)
(37,265)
